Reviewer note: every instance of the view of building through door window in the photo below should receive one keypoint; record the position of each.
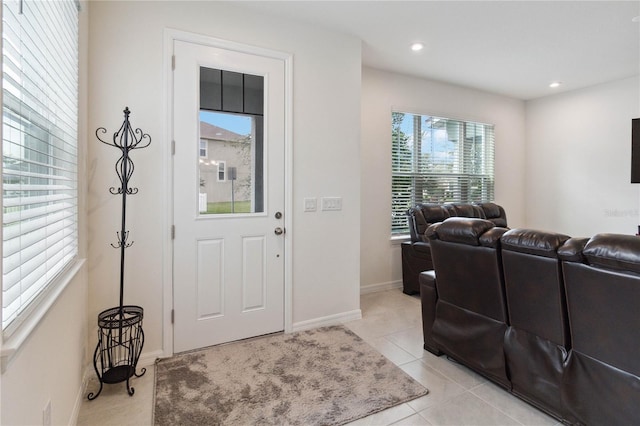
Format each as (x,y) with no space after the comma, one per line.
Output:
(231,142)
(226,164)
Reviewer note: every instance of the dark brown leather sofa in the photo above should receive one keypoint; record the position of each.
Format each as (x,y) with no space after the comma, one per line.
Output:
(416,253)
(601,381)
(550,318)
(471,316)
(537,338)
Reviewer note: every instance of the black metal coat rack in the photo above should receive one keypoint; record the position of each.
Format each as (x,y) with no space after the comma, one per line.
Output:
(120,334)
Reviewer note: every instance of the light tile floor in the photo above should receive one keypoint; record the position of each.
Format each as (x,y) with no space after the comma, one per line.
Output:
(391,323)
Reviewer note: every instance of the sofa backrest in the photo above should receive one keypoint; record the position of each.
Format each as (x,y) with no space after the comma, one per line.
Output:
(471,314)
(537,341)
(466,258)
(423,215)
(603,299)
(602,281)
(534,284)
(465,210)
(494,213)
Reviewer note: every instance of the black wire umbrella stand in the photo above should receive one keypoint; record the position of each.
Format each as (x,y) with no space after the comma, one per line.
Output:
(120,334)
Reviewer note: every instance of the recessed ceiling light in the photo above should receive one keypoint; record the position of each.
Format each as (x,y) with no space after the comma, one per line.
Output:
(555,84)
(636,19)
(416,47)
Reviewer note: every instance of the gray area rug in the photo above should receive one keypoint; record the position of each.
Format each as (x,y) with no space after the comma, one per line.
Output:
(326,376)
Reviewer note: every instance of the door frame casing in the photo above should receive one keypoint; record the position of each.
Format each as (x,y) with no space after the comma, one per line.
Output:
(170,36)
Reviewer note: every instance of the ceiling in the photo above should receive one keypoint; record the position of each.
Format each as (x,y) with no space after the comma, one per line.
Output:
(513,48)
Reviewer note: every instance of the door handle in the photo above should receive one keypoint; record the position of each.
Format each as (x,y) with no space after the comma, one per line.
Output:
(279,231)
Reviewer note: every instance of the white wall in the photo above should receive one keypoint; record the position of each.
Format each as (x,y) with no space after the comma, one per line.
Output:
(49,365)
(579,159)
(383,91)
(126,69)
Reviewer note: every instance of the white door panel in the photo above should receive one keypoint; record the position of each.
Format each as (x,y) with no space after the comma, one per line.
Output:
(228,267)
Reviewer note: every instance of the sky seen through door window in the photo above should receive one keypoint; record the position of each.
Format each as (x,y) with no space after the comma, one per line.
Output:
(240,124)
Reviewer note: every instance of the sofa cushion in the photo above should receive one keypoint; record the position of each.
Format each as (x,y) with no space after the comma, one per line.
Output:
(494,213)
(421,216)
(433,213)
(534,242)
(461,230)
(491,210)
(614,251)
(468,210)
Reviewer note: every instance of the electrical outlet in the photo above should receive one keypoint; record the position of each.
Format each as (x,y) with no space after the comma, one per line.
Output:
(310,205)
(46,414)
(331,203)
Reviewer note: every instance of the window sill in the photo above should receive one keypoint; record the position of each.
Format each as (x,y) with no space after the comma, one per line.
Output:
(12,343)
(399,239)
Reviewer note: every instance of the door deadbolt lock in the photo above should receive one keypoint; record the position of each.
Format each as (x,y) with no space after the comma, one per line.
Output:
(278,215)
(279,231)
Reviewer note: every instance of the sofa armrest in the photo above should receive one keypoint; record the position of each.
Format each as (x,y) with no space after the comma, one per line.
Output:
(411,221)
(429,297)
(416,257)
(492,237)
(571,250)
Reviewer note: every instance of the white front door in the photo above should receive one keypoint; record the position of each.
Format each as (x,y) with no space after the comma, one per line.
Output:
(228,177)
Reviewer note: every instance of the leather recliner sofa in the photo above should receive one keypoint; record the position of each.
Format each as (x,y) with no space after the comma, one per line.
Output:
(416,253)
(601,381)
(570,340)
(471,316)
(538,325)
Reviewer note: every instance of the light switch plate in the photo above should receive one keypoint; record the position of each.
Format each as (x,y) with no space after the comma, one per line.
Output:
(331,203)
(310,205)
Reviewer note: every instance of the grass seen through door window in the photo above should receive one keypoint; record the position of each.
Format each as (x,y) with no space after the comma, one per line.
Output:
(225,207)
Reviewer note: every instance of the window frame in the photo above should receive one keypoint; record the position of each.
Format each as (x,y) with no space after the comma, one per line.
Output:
(467,169)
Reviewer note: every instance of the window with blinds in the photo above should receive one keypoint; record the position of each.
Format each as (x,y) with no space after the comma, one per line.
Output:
(438,160)
(39,148)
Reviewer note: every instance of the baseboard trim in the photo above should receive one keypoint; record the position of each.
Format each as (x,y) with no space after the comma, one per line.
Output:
(374,288)
(147,359)
(328,320)
(73,420)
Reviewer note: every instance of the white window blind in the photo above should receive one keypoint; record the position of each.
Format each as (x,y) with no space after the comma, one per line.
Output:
(39,148)
(437,160)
